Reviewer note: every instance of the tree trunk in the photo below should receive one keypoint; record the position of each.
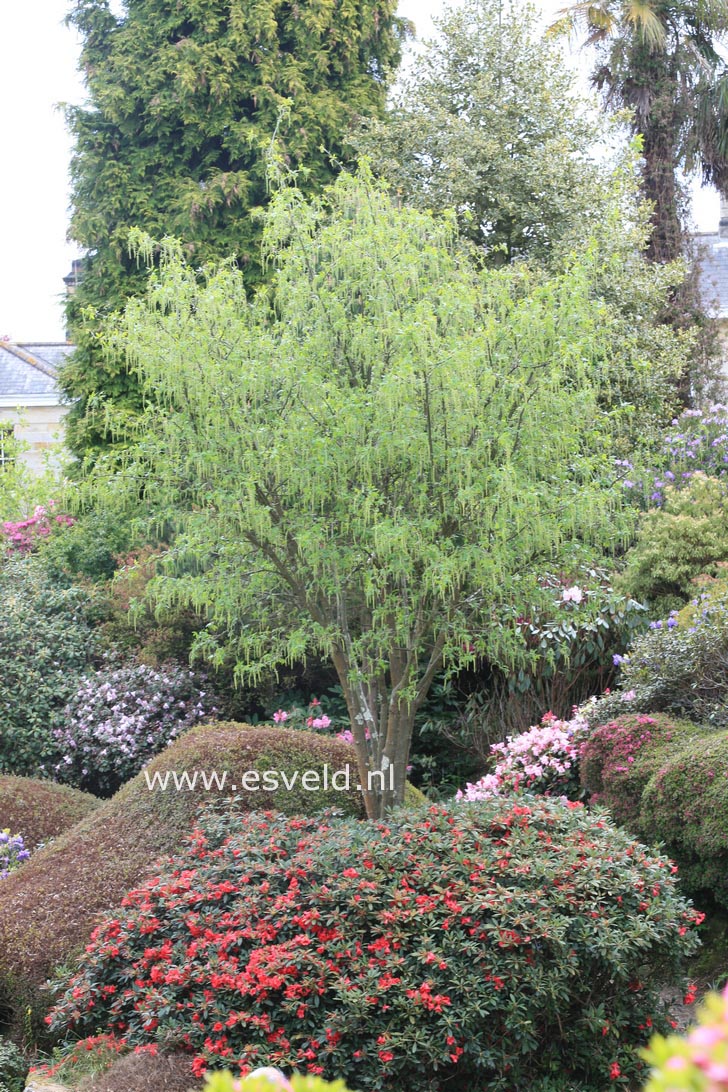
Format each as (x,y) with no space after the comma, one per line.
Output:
(382,727)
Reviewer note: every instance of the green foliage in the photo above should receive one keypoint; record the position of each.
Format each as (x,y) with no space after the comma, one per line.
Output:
(87,550)
(494,945)
(13,1067)
(21,491)
(46,642)
(662,61)
(373,464)
(184,102)
(48,908)
(685,805)
(619,758)
(487,121)
(679,666)
(676,543)
(667,781)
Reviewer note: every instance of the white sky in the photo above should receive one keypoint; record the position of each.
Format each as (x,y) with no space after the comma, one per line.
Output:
(37,71)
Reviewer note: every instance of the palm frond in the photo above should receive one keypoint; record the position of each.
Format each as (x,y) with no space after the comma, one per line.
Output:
(642,15)
(596,20)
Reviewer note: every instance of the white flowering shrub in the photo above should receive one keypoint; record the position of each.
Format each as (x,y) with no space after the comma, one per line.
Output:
(120,717)
(544,759)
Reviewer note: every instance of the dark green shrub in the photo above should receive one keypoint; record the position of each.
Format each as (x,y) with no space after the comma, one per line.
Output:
(498,944)
(620,757)
(88,549)
(41,810)
(685,805)
(46,641)
(686,537)
(47,908)
(13,1067)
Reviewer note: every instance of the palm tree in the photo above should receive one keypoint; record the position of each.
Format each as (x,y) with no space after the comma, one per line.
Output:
(661,60)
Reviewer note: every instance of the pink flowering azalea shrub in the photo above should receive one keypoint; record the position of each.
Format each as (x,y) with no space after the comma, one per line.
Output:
(619,758)
(697,1062)
(23,536)
(544,759)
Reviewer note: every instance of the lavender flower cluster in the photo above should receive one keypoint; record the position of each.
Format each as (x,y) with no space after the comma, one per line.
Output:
(12,852)
(696,442)
(120,717)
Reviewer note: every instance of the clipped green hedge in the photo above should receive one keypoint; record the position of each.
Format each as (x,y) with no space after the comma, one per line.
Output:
(685,805)
(619,758)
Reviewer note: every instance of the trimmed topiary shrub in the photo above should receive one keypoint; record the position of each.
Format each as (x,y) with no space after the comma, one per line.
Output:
(47,909)
(41,810)
(685,805)
(620,757)
(496,944)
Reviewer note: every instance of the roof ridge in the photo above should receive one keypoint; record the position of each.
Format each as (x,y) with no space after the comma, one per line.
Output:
(35,362)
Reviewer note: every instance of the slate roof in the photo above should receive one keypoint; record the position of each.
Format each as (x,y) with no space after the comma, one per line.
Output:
(713,255)
(28,372)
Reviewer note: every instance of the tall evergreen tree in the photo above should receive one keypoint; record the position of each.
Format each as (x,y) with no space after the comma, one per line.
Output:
(184,99)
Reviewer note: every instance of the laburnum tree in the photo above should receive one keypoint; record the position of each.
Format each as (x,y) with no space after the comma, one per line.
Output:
(184,97)
(375,460)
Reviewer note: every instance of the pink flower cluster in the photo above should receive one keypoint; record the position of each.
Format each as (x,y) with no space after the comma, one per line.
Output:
(315,718)
(542,759)
(24,534)
(698,1061)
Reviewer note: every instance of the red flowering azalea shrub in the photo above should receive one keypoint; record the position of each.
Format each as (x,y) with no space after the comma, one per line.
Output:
(487,944)
(620,757)
(50,905)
